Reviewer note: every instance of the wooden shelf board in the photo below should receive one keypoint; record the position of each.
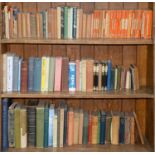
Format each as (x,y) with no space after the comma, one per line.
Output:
(77,41)
(142,93)
(89,148)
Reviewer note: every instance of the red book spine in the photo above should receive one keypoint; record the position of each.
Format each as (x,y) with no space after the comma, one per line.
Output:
(90,129)
(24,76)
(58,67)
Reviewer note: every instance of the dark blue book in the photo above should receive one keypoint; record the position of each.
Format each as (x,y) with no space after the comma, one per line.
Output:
(37,75)
(74,23)
(46,124)
(122,128)
(5,104)
(109,75)
(30,73)
(102,127)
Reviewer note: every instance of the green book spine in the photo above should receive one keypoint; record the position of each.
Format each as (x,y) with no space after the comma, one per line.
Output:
(17,128)
(40,127)
(51,75)
(65,22)
(85,128)
(98,136)
(46,123)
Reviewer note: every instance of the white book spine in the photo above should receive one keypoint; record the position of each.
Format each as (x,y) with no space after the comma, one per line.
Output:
(4,72)
(128,80)
(9,73)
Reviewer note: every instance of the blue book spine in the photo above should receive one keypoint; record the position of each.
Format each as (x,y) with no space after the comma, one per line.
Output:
(72,76)
(5,143)
(102,128)
(37,74)
(50,129)
(19,74)
(109,75)
(30,73)
(122,130)
(46,125)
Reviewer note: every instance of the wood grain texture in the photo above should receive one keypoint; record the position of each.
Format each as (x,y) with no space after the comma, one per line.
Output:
(130,5)
(73,52)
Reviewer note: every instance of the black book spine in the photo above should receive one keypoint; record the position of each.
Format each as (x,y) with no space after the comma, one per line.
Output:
(74,23)
(62,23)
(31,126)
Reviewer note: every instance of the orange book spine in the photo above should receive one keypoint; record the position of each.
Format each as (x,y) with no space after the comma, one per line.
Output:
(129,24)
(149,27)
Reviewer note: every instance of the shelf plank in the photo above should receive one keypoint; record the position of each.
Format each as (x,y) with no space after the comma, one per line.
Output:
(77,41)
(89,148)
(142,93)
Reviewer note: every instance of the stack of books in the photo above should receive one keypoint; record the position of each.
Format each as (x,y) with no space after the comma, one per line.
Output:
(73,23)
(40,124)
(48,74)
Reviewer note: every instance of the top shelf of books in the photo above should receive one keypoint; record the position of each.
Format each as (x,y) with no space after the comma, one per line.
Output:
(109,41)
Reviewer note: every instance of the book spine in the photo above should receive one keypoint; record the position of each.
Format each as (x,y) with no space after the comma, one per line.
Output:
(77,75)
(65,126)
(74,33)
(109,75)
(46,126)
(55,130)
(30,74)
(72,76)
(85,129)
(43,74)
(102,129)
(9,73)
(122,130)
(4,72)
(5,124)
(50,129)
(65,22)
(19,75)
(24,74)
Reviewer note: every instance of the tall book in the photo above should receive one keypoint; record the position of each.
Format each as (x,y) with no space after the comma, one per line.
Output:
(24,74)
(58,68)
(102,127)
(65,73)
(85,128)
(30,73)
(4,72)
(50,129)
(46,124)
(19,74)
(70,127)
(17,126)
(72,76)
(5,104)
(10,58)
(76,126)
(122,128)
(94,128)
(15,73)
(80,126)
(51,79)
(23,127)
(115,125)
(37,75)
(55,128)
(70,23)
(31,125)
(11,120)
(40,124)
(89,75)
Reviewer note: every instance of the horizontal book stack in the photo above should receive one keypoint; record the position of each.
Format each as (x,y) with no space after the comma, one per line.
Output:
(40,124)
(72,23)
(48,74)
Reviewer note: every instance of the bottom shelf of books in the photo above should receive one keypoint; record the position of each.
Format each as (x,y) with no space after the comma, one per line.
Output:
(40,125)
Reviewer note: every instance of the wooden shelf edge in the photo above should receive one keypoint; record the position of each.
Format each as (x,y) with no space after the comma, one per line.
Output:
(89,148)
(86,95)
(76,41)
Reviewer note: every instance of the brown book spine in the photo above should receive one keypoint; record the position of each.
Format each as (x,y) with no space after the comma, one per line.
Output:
(24,76)
(28,25)
(19,25)
(94,129)
(132,130)
(90,129)
(89,75)
(64,77)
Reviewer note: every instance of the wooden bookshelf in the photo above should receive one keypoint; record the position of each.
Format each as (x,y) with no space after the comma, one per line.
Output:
(121,51)
(79,41)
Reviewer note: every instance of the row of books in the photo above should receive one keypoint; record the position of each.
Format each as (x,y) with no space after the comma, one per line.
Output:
(59,74)
(73,23)
(40,124)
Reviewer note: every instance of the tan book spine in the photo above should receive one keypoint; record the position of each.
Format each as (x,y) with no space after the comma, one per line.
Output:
(83,75)
(19,25)
(61,126)
(28,25)
(132,130)
(24,25)
(84,26)
(80,22)
(76,126)
(115,130)
(23,128)
(80,127)
(94,129)
(4,72)
(59,22)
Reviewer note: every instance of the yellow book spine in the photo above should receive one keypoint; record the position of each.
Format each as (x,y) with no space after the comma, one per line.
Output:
(43,74)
